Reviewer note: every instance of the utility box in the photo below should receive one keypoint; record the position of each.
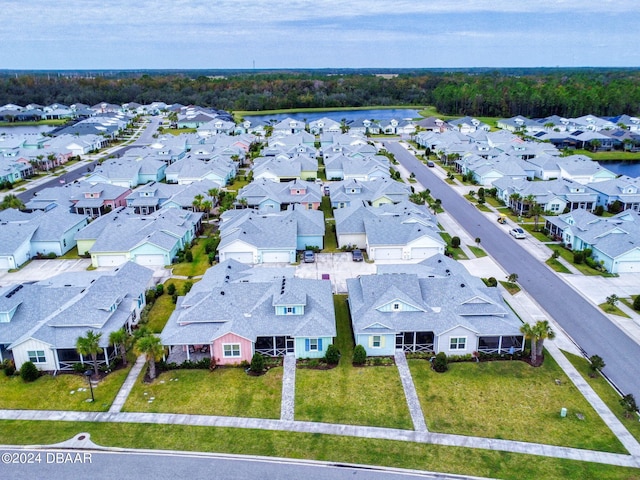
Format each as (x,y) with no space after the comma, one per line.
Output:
(563,412)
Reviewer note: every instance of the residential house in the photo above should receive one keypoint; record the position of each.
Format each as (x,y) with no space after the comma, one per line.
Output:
(420,312)
(468,125)
(614,241)
(221,170)
(152,240)
(553,196)
(267,195)
(250,236)
(288,126)
(624,190)
(30,235)
(129,171)
(375,192)
(284,169)
(229,316)
(324,125)
(41,322)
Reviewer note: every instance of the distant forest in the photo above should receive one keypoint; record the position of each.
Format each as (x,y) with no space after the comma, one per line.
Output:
(501,93)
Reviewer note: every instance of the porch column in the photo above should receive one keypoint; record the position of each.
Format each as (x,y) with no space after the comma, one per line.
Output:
(188,356)
(106,355)
(500,344)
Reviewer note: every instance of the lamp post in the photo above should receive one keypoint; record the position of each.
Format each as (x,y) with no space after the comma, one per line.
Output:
(88,374)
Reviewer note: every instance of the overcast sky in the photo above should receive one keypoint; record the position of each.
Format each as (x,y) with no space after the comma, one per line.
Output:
(146,34)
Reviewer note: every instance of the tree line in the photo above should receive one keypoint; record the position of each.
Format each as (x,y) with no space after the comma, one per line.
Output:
(503,93)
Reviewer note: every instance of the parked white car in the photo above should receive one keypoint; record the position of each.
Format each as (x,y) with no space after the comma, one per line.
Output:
(518,233)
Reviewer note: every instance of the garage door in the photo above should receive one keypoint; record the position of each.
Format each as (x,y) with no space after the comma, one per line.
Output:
(275,257)
(388,253)
(5,263)
(628,267)
(423,252)
(111,260)
(243,257)
(150,260)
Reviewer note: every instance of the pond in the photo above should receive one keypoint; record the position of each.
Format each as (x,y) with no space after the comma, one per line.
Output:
(26,129)
(632,169)
(338,115)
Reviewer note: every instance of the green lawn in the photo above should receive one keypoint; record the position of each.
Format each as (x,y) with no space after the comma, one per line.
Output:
(531,228)
(356,396)
(162,309)
(54,393)
(582,267)
(605,392)
(178,131)
(557,266)
(226,391)
(199,264)
(510,400)
(332,448)
(494,202)
(613,310)
(615,156)
(477,251)
(512,288)
(330,238)
(458,254)
(349,395)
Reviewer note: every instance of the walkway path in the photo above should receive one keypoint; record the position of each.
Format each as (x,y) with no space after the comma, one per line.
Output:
(128,384)
(410,392)
(330,429)
(288,388)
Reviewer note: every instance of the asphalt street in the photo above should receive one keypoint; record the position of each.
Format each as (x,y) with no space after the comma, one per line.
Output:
(56,464)
(583,322)
(145,138)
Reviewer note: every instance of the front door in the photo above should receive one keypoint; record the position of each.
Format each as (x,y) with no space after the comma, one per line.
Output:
(291,345)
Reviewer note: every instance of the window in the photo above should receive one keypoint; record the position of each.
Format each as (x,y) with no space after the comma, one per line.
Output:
(457,343)
(291,310)
(396,306)
(36,356)
(555,207)
(313,344)
(231,350)
(376,341)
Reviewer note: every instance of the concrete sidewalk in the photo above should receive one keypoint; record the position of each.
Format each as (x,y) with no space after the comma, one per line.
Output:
(128,384)
(330,429)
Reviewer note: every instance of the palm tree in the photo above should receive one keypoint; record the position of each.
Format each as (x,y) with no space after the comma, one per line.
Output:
(529,200)
(529,334)
(197,202)
(536,210)
(119,338)
(90,345)
(513,201)
(214,194)
(543,331)
(206,206)
(11,201)
(151,348)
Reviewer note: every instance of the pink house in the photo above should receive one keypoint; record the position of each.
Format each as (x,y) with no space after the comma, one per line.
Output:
(231,349)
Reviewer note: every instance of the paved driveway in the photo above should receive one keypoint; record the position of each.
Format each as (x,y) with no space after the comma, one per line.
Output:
(42,269)
(338,266)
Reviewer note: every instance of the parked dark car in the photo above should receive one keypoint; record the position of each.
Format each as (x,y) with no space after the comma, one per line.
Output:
(430,164)
(357,255)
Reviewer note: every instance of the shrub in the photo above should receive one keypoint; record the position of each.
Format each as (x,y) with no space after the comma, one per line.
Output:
(159,289)
(555,254)
(636,303)
(578,257)
(188,256)
(29,372)
(187,287)
(79,367)
(599,210)
(359,355)
(492,282)
(9,367)
(377,361)
(332,357)
(440,362)
(171,289)
(597,364)
(150,296)
(628,402)
(455,242)
(257,363)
